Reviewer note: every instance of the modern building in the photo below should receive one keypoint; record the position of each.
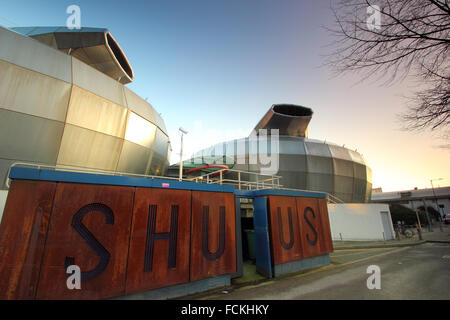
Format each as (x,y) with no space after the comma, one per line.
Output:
(303,163)
(436,198)
(63,102)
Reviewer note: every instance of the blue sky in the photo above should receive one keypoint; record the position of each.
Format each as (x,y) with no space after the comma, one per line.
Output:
(221,64)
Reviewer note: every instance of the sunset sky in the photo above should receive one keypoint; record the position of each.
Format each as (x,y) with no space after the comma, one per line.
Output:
(219,65)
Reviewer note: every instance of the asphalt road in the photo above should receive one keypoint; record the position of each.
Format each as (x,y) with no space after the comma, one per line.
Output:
(419,272)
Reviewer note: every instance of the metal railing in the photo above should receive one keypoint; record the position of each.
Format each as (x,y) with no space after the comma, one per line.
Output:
(84,170)
(258,182)
(255,181)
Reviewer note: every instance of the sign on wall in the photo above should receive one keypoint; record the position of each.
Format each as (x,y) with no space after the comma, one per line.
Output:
(299,228)
(123,239)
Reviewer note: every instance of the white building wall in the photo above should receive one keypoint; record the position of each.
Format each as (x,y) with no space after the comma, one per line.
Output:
(359,221)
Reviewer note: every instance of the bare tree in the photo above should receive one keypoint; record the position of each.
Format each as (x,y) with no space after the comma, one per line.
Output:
(396,39)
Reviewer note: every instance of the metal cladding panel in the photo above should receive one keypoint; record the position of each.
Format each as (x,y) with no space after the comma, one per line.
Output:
(369,175)
(344,196)
(284,229)
(139,105)
(368,192)
(359,190)
(291,145)
(33,93)
(320,182)
(317,149)
(160,122)
(29,138)
(292,163)
(96,82)
(213,235)
(340,152)
(47,39)
(89,227)
(158,164)
(323,165)
(314,241)
(140,131)
(356,157)
(22,237)
(161,145)
(86,148)
(160,239)
(343,184)
(30,54)
(343,167)
(134,159)
(294,180)
(359,171)
(93,112)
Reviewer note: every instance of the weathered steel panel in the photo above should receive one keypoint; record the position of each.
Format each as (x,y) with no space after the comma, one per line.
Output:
(327,243)
(160,239)
(285,231)
(213,235)
(312,236)
(22,237)
(89,227)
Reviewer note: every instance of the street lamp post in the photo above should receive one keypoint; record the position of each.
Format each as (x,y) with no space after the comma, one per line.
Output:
(434,194)
(428,215)
(183,132)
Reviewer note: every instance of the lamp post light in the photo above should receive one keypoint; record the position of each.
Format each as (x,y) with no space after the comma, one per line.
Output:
(434,194)
(183,132)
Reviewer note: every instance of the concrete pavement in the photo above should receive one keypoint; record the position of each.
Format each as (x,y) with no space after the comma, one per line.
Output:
(441,233)
(346,254)
(418,272)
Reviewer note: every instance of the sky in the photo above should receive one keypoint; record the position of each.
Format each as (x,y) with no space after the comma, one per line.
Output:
(214,67)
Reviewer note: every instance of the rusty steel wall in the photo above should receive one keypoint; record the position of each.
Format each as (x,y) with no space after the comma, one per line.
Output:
(299,228)
(213,242)
(124,239)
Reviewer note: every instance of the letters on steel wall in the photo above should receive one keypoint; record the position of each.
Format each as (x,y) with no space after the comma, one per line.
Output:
(124,239)
(300,228)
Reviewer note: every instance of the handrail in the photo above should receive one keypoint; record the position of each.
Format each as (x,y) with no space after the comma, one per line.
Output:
(80,169)
(260,184)
(249,185)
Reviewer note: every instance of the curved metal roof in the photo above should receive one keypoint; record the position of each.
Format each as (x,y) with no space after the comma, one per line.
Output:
(94,46)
